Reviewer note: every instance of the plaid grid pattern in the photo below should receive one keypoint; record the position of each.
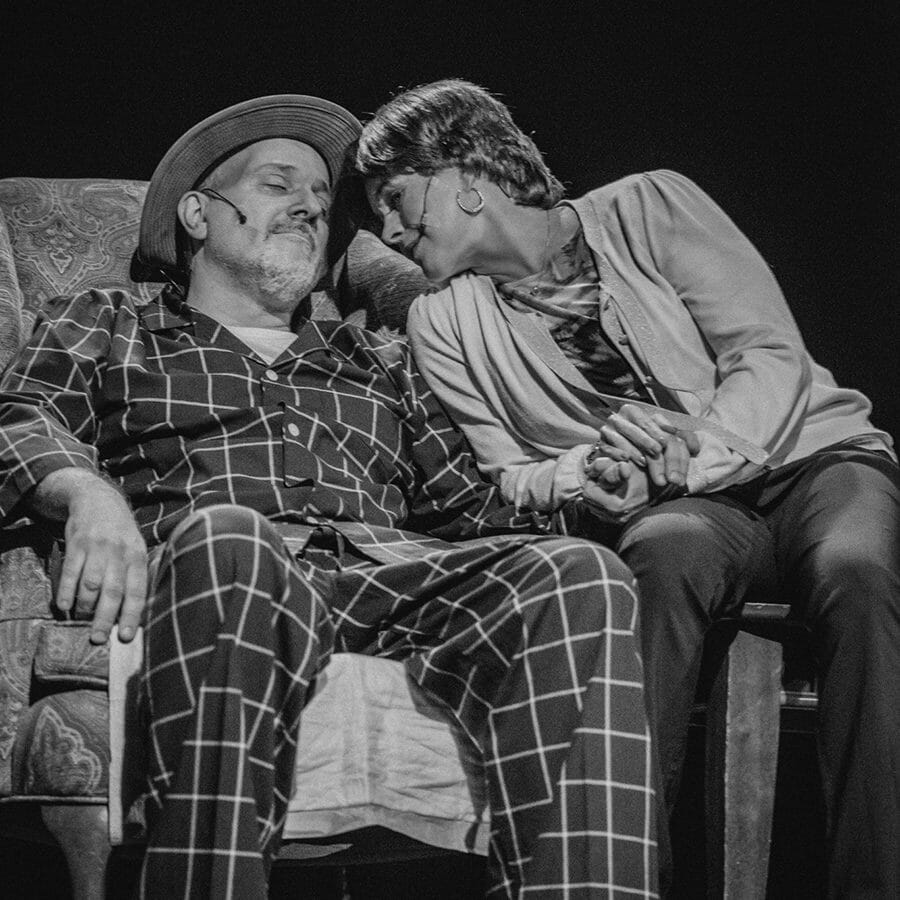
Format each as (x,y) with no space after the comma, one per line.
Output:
(236,632)
(533,648)
(530,643)
(183,415)
(232,466)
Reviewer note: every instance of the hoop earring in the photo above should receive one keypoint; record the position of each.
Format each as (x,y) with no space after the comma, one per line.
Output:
(474,210)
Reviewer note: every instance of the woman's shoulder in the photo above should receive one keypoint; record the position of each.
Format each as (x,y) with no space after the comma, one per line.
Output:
(662,181)
(655,184)
(449,303)
(427,309)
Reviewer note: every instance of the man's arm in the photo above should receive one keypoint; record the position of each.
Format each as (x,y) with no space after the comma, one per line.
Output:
(452,500)
(48,465)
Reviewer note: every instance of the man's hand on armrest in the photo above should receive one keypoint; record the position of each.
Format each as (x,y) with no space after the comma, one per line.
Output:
(104,572)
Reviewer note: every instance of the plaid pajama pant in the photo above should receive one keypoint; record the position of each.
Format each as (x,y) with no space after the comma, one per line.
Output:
(530,643)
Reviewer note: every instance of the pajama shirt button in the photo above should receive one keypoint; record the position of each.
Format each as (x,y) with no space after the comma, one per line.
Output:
(271,375)
(293,430)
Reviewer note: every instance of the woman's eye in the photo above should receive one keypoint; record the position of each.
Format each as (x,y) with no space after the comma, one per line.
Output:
(276,186)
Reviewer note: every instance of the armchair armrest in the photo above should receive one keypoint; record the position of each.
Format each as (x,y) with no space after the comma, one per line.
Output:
(42,659)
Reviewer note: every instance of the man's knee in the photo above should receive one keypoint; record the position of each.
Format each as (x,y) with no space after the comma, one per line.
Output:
(225,549)
(232,536)
(221,520)
(590,581)
(230,564)
(580,559)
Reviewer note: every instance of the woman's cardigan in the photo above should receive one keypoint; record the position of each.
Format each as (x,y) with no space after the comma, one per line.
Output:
(691,305)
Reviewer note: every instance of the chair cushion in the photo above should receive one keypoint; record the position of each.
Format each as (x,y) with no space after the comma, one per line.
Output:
(381,282)
(373,751)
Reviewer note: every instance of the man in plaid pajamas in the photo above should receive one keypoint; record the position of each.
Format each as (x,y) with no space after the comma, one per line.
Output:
(298,487)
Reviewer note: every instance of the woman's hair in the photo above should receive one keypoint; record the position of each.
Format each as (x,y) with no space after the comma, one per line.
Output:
(456,123)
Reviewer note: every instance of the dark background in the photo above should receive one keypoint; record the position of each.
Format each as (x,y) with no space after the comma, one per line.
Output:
(786,112)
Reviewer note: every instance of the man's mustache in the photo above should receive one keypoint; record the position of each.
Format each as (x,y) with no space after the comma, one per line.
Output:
(301,228)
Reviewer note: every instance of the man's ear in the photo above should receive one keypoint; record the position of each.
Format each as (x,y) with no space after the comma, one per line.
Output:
(192,214)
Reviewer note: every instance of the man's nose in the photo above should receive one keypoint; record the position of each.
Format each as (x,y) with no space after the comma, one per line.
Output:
(307,205)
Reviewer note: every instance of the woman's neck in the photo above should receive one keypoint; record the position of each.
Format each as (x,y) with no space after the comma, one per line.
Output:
(519,243)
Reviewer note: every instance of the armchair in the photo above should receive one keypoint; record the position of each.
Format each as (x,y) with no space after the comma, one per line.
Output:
(372,753)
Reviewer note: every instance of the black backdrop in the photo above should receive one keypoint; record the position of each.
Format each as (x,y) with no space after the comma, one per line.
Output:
(786,112)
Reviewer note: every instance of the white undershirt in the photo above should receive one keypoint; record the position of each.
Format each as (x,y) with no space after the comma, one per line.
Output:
(269,343)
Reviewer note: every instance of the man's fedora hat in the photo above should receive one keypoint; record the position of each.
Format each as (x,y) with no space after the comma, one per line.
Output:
(326,127)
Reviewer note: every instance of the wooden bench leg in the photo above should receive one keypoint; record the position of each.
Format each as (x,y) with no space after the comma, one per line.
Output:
(82,831)
(741,761)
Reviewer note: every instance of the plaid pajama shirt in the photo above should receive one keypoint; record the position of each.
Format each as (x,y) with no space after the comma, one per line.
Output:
(274,497)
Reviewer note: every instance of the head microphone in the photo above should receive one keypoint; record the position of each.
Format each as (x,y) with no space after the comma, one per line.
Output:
(217,196)
(424,216)
(423,219)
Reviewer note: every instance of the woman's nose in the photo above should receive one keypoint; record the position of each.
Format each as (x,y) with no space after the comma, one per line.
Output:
(391,229)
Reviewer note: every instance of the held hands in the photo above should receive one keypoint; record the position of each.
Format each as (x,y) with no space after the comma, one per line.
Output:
(615,489)
(104,572)
(650,441)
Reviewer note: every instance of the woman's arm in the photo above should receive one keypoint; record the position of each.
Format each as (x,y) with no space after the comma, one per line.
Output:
(527,477)
(763,373)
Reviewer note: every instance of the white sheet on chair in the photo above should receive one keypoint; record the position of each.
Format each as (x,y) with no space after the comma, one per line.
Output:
(373,751)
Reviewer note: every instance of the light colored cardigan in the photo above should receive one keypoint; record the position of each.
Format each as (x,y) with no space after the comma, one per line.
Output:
(689,302)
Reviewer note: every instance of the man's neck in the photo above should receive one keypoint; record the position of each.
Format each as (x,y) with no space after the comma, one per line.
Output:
(214,293)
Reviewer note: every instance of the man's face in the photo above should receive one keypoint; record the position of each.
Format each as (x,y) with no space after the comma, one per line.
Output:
(283,188)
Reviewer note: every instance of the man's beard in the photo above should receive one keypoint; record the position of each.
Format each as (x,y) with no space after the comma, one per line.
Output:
(281,284)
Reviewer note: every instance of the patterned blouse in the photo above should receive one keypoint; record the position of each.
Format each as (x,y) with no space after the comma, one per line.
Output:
(567,293)
(174,408)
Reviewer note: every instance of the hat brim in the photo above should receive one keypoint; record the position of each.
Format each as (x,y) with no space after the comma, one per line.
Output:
(326,127)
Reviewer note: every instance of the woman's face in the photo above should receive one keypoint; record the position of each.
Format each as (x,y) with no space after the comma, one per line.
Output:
(422,220)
